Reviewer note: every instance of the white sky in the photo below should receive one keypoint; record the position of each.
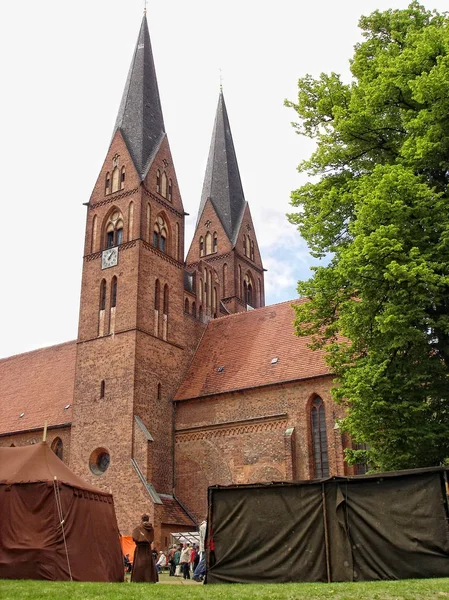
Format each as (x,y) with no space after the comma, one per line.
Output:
(64,66)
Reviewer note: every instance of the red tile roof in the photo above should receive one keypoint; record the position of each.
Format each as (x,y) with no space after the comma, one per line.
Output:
(244,344)
(171,513)
(38,384)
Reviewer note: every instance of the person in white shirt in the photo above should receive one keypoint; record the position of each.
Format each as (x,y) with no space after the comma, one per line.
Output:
(184,561)
(161,561)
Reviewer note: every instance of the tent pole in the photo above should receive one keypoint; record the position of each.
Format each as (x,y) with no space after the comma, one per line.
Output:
(61,522)
(326,538)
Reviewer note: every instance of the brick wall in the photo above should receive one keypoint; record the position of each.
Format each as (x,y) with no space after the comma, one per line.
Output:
(33,437)
(262,434)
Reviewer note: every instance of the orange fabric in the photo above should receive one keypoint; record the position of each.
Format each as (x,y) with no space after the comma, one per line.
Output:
(128,546)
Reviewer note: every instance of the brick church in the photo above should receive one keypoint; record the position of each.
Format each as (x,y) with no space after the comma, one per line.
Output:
(181,377)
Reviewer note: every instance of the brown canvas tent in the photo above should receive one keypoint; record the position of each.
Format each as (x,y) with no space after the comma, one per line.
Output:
(384,526)
(37,492)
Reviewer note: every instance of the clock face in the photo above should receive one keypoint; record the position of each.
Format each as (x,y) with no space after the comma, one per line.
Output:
(109,258)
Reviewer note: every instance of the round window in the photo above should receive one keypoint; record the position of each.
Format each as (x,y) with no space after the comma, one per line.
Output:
(99,461)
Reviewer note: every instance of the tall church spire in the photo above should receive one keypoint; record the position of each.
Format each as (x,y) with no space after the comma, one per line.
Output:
(140,114)
(222,182)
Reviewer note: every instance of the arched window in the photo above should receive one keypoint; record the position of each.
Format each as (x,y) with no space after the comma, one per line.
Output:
(103,295)
(94,234)
(115,179)
(225,277)
(165,299)
(58,447)
(114,292)
(119,233)
(201,246)
(160,234)
(186,306)
(244,245)
(130,220)
(200,290)
(157,296)
(122,179)
(177,241)
(200,313)
(159,392)
(164,185)
(248,291)
(148,222)
(170,190)
(319,438)
(214,249)
(107,185)
(248,247)
(157,293)
(110,235)
(215,303)
(208,242)
(158,181)
(194,309)
(240,281)
(102,388)
(252,250)
(114,229)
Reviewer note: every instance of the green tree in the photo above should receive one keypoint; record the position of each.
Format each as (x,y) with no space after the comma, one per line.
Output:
(377,207)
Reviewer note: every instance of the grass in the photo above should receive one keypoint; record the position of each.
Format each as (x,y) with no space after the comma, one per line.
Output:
(417,589)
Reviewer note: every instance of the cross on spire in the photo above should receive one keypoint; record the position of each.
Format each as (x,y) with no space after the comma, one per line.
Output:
(145,7)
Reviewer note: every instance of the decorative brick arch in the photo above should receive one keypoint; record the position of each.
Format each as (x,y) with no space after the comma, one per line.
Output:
(266,473)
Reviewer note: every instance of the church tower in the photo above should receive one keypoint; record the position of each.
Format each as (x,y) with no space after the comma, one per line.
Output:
(224,254)
(132,337)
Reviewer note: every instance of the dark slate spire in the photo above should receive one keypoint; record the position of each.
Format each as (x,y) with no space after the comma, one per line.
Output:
(140,114)
(222,182)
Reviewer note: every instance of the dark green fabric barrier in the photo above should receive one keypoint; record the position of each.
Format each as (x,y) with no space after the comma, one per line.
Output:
(388,526)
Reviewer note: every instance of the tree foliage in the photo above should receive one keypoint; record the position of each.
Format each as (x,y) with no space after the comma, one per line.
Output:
(378,206)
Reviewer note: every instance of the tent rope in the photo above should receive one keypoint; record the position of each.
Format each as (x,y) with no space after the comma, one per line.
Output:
(61,522)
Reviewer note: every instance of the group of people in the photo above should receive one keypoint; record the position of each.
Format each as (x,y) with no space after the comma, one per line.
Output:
(184,560)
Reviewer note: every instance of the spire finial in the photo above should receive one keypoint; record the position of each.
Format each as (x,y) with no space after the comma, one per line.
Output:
(145,7)
(221,81)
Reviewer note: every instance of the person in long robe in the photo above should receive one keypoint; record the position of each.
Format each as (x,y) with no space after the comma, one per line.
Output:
(144,568)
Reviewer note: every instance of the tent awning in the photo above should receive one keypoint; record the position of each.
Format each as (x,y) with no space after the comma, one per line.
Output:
(190,537)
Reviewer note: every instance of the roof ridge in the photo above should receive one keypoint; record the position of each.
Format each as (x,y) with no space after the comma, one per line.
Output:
(260,308)
(36,350)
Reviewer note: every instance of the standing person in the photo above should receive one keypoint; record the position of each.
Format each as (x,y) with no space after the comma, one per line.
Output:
(185,561)
(144,569)
(176,557)
(193,558)
(200,571)
(171,560)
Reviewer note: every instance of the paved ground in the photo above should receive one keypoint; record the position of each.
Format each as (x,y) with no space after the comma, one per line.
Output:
(165,578)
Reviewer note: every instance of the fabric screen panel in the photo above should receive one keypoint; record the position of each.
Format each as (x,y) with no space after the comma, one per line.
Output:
(267,534)
(92,535)
(397,527)
(30,546)
(339,543)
